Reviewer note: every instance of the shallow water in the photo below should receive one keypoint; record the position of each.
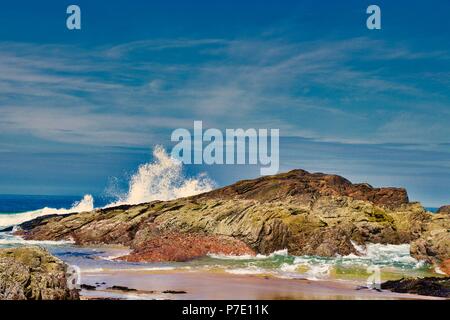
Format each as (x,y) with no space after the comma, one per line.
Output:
(393,262)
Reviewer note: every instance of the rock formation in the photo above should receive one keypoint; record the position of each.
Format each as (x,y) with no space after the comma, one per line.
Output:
(444,209)
(307,213)
(31,273)
(431,286)
(434,242)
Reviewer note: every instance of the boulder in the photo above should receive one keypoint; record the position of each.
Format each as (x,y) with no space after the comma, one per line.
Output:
(444,209)
(433,244)
(306,213)
(445,267)
(431,286)
(32,273)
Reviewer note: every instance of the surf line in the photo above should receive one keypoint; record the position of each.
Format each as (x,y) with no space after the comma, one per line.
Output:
(231,149)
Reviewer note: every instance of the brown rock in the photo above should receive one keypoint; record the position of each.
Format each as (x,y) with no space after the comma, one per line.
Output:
(31,273)
(444,209)
(445,266)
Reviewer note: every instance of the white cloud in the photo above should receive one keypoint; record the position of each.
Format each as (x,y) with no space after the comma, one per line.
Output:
(118,95)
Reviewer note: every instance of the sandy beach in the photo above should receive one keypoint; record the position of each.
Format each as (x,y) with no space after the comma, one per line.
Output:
(200,285)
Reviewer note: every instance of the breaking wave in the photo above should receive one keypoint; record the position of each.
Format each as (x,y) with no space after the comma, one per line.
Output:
(7,220)
(161,179)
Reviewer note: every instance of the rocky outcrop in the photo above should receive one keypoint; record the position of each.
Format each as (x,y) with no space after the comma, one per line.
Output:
(152,245)
(433,245)
(431,286)
(31,273)
(303,187)
(307,213)
(444,209)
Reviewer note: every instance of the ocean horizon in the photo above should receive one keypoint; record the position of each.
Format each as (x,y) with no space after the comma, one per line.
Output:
(20,203)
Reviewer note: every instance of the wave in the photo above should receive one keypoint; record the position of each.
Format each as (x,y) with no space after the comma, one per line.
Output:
(85,204)
(248,271)
(385,254)
(391,260)
(161,179)
(13,240)
(283,252)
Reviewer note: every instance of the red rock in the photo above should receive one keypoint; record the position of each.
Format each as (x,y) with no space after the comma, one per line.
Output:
(445,266)
(303,186)
(175,246)
(444,209)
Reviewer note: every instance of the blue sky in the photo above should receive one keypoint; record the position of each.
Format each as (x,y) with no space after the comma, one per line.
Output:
(80,107)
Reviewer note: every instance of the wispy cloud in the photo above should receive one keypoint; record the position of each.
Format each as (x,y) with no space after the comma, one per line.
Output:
(133,93)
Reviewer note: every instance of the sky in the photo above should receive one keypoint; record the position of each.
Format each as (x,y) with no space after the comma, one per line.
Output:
(81,108)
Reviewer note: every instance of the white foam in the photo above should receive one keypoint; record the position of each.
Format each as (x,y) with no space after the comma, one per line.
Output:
(283,252)
(249,270)
(16,241)
(115,256)
(439,271)
(7,220)
(162,179)
(389,253)
(318,272)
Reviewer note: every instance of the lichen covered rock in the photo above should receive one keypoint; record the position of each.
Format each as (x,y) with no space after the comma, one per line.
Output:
(433,245)
(32,273)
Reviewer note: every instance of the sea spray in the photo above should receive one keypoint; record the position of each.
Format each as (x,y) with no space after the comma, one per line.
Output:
(162,179)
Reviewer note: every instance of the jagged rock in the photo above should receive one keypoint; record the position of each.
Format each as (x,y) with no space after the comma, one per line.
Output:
(176,246)
(445,267)
(431,286)
(32,273)
(121,288)
(314,214)
(302,186)
(444,209)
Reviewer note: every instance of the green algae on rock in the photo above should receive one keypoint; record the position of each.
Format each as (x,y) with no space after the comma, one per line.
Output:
(32,273)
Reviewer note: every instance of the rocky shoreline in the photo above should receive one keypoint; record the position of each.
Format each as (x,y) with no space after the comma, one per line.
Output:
(305,213)
(32,273)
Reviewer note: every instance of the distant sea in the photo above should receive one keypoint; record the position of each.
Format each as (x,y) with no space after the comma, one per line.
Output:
(24,203)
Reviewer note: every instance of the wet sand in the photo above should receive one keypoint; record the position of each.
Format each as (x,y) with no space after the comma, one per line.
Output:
(201,285)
